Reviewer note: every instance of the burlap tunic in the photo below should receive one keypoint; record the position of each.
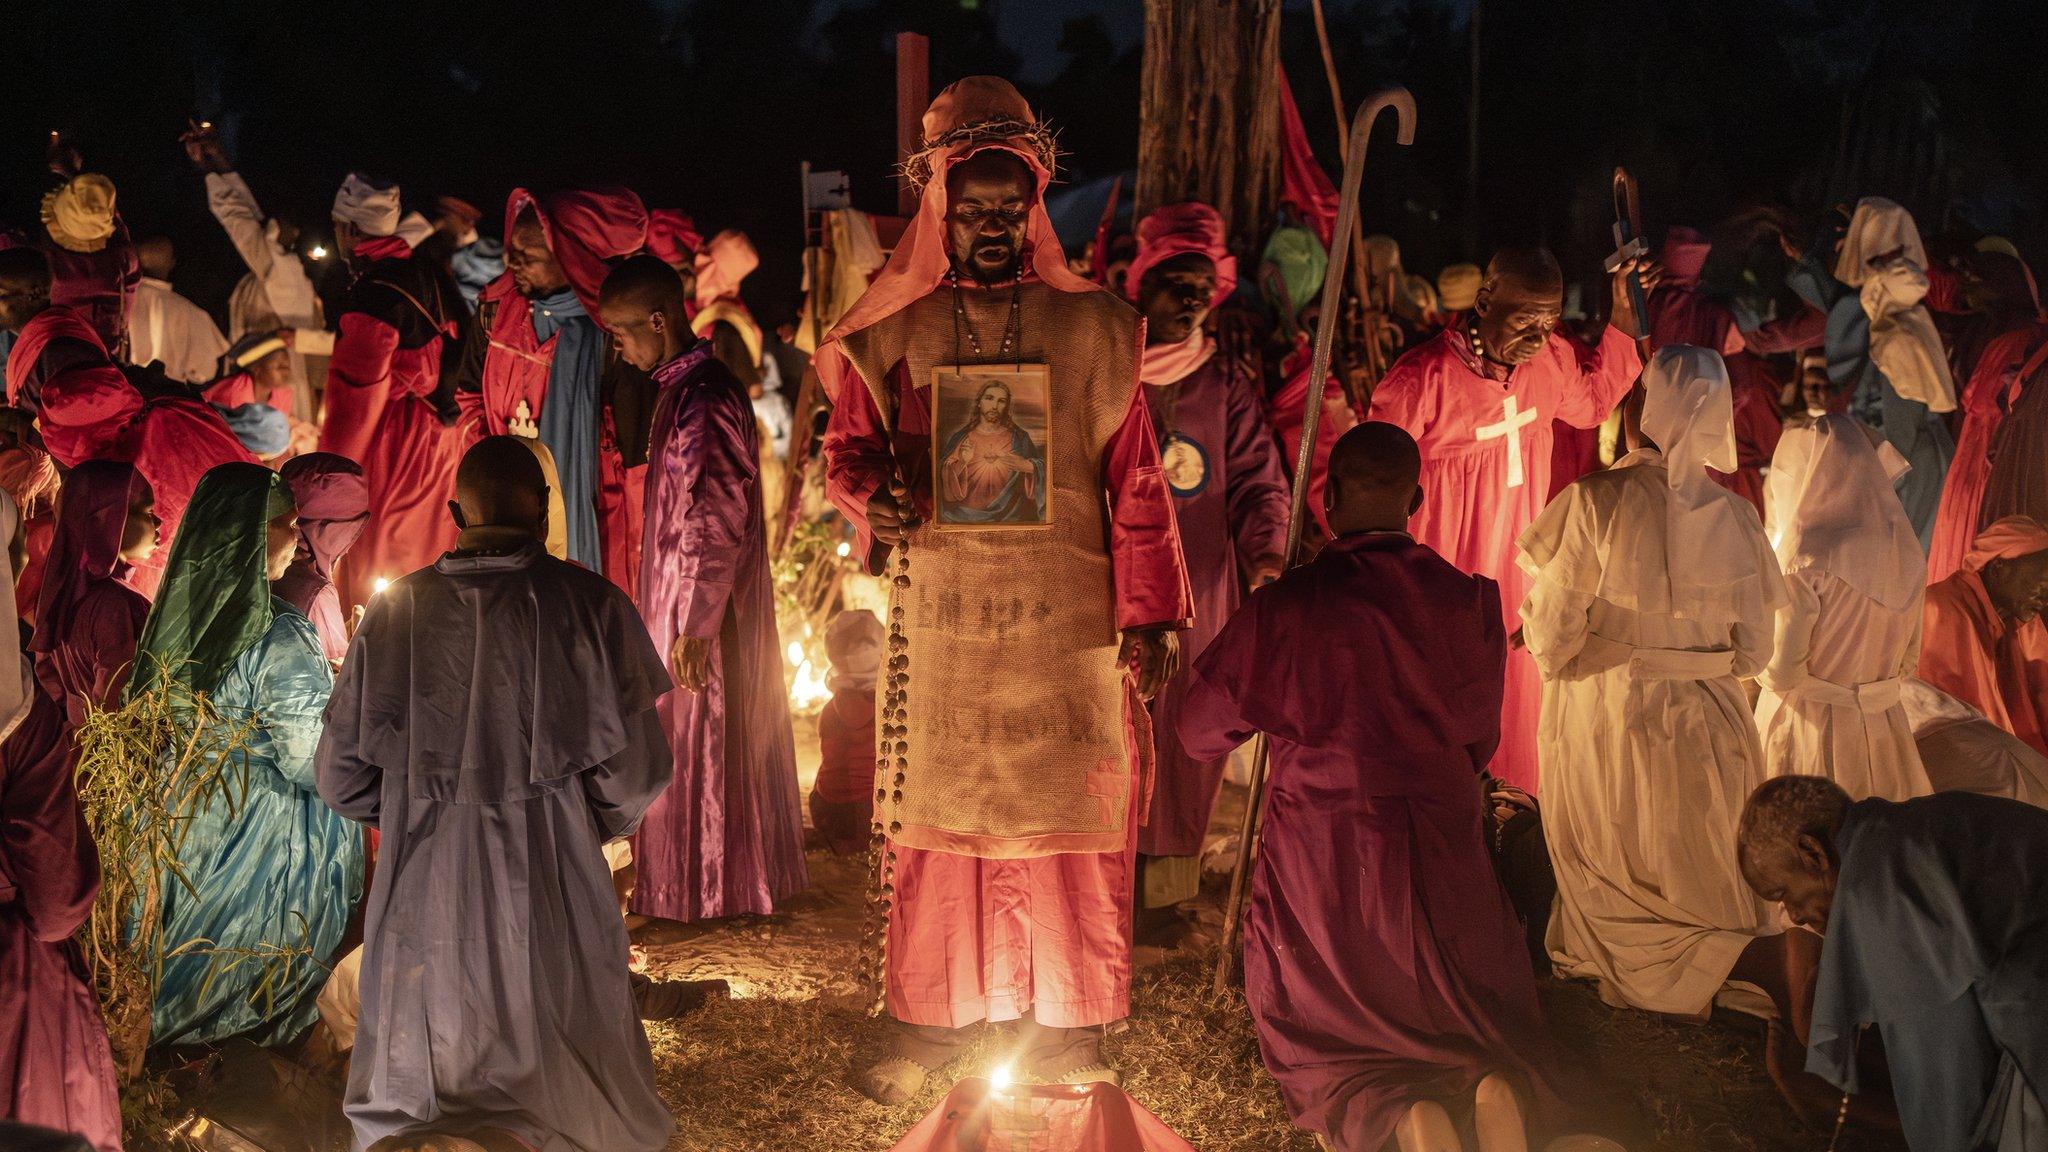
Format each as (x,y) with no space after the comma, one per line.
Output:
(1017,735)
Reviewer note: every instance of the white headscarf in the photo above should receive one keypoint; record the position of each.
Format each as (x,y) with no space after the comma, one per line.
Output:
(1903,341)
(1672,545)
(16,673)
(1834,510)
(372,209)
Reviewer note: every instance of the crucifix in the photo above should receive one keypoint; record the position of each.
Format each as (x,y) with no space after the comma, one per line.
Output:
(1513,418)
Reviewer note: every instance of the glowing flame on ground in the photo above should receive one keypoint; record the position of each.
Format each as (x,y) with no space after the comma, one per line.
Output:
(999,1080)
(807,690)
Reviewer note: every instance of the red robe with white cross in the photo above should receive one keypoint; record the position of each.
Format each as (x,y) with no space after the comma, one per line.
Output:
(1486,437)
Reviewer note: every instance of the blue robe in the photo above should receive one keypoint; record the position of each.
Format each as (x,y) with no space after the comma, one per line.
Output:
(1917,433)
(270,866)
(568,422)
(1939,936)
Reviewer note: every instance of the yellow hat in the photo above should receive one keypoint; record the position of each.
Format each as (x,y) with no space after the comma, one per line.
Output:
(1457,286)
(80,215)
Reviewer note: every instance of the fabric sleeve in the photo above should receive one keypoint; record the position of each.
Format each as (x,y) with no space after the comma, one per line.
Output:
(1793,634)
(234,205)
(1494,639)
(1144,539)
(1211,722)
(99,652)
(622,788)
(1560,553)
(47,855)
(358,384)
(709,520)
(1944,290)
(1258,495)
(1404,397)
(1758,426)
(858,462)
(291,682)
(348,782)
(1803,329)
(1599,376)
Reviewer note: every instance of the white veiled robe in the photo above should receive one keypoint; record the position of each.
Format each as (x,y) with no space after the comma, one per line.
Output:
(1652,593)
(1851,634)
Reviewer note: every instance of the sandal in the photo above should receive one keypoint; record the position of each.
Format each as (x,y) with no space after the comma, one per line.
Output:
(1091,1074)
(893,1080)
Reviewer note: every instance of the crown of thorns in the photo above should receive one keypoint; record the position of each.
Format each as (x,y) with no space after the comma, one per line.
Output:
(1039,138)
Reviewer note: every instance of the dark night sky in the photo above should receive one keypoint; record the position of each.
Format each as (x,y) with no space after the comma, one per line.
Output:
(710,105)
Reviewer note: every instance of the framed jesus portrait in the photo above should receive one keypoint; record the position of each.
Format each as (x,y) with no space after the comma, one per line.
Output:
(991,446)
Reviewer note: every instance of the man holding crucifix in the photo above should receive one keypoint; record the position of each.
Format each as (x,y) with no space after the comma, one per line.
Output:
(1479,401)
(1008,781)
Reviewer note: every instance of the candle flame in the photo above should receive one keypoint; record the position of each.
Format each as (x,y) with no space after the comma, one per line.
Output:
(845,549)
(319,252)
(1000,1078)
(378,588)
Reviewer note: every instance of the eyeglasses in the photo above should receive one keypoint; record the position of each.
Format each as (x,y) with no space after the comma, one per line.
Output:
(976,217)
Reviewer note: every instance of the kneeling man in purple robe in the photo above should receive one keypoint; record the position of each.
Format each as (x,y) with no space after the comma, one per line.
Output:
(495,721)
(1383,963)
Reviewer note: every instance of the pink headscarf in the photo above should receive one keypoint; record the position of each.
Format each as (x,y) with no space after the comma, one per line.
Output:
(920,261)
(672,236)
(1683,255)
(585,229)
(2005,539)
(333,499)
(1176,230)
(728,259)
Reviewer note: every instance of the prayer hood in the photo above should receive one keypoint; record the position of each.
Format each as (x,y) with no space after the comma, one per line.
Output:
(1882,258)
(1837,512)
(586,230)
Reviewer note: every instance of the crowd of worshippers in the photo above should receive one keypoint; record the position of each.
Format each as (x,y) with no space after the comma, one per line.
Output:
(1690,651)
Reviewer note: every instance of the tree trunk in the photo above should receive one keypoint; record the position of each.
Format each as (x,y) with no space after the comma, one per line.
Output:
(1210,110)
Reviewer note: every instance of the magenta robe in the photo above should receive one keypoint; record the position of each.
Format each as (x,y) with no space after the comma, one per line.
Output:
(727,837)
(1383,962)
(974,939)
(1990,393)
(1235,514)
(55,1065)
(1486,473)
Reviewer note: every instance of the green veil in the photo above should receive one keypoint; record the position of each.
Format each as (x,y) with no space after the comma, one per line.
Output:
(215,598)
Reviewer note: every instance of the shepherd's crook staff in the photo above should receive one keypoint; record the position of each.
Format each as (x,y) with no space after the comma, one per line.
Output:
(1403,105)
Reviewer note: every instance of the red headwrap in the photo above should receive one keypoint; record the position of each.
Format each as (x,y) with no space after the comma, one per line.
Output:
(1684,254)
(87,544)
(333,501)
(1176,230)
(672,236)
(1303,183)
(56,322)
(963,120)
(585,229)
(2005,539)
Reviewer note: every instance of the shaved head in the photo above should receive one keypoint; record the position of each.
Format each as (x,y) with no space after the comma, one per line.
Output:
(500,485)
(156,256)
(1375,471)
(641,304)
(1528,265)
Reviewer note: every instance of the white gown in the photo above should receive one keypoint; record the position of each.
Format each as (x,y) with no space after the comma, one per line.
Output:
(1648,752)
(1831,700)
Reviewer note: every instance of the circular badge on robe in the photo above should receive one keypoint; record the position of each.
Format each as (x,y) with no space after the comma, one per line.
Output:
(1186,466)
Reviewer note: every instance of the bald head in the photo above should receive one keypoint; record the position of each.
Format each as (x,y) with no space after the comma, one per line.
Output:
(1519,303)
(1374,473)
(500,485)
(641,304)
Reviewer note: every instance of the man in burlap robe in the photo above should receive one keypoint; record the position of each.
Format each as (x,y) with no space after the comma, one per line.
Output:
(1009,728)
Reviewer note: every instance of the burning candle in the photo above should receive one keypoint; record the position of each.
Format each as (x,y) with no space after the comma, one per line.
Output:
(378,588)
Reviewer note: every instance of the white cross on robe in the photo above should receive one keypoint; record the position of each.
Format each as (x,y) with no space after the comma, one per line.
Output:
(1513,418)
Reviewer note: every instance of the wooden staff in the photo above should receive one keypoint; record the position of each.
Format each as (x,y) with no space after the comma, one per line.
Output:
(1403,105)
(1369,323)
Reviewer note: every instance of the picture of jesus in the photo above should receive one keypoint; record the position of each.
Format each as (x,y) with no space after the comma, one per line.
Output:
(991,470)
